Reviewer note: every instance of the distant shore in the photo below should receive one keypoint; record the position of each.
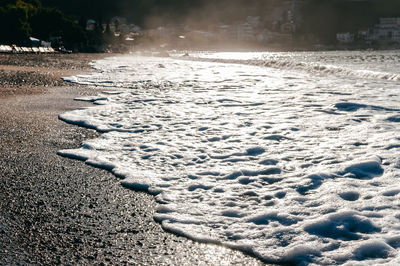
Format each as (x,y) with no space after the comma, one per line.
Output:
(55,210)
(274,47)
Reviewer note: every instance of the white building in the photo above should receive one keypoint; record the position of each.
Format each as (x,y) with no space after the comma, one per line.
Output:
(345,37)
(90,24)
(388,29)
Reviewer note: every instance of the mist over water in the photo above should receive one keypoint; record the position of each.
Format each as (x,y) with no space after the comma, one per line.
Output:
(292,157)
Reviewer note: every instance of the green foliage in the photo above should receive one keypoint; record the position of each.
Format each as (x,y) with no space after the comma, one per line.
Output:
(73,35)
(140,11)
(25,18)
(16,15)
(96,37)
(47,22)
(51,23)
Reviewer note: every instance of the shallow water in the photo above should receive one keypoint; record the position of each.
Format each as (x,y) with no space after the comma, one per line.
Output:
(293,157)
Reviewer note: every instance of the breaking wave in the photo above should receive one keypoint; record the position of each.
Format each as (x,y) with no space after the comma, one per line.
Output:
(296,63)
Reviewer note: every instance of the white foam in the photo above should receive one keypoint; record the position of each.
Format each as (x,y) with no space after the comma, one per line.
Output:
(374,249)
(315,63)
(290,167)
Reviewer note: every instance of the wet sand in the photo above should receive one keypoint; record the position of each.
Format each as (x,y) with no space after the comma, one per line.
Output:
(55,210)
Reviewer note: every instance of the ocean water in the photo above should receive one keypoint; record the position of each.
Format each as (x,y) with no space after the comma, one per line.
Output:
(291,157)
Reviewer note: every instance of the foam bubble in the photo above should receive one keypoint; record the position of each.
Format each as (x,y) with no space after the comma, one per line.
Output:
(373,249)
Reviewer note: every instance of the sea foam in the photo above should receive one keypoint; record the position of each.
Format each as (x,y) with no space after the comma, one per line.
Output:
(287,166)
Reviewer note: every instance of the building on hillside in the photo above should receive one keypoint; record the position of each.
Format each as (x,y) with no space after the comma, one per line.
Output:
(119,25)
(362,34)
(286,18)
(90,25)
(388,29)
(116,23)
(161,34)
(291,15)
(345,37)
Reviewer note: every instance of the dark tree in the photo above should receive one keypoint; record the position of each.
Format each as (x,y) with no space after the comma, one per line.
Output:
(16,15)
(51,23)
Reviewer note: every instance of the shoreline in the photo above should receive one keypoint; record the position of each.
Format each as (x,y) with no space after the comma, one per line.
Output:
(55,210)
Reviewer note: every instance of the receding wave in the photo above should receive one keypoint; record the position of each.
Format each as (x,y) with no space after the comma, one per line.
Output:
(315,68)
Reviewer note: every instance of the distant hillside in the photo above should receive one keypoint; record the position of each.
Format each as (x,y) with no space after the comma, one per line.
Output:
(324,18)
(139,11)
(321,19)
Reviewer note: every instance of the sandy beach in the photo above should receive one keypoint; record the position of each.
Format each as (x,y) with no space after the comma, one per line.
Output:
(55,210)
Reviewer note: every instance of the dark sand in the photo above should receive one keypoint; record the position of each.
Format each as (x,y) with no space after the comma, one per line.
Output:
(55,210)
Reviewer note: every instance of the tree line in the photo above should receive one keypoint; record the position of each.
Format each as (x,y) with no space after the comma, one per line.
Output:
(20,19)
(43,19)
